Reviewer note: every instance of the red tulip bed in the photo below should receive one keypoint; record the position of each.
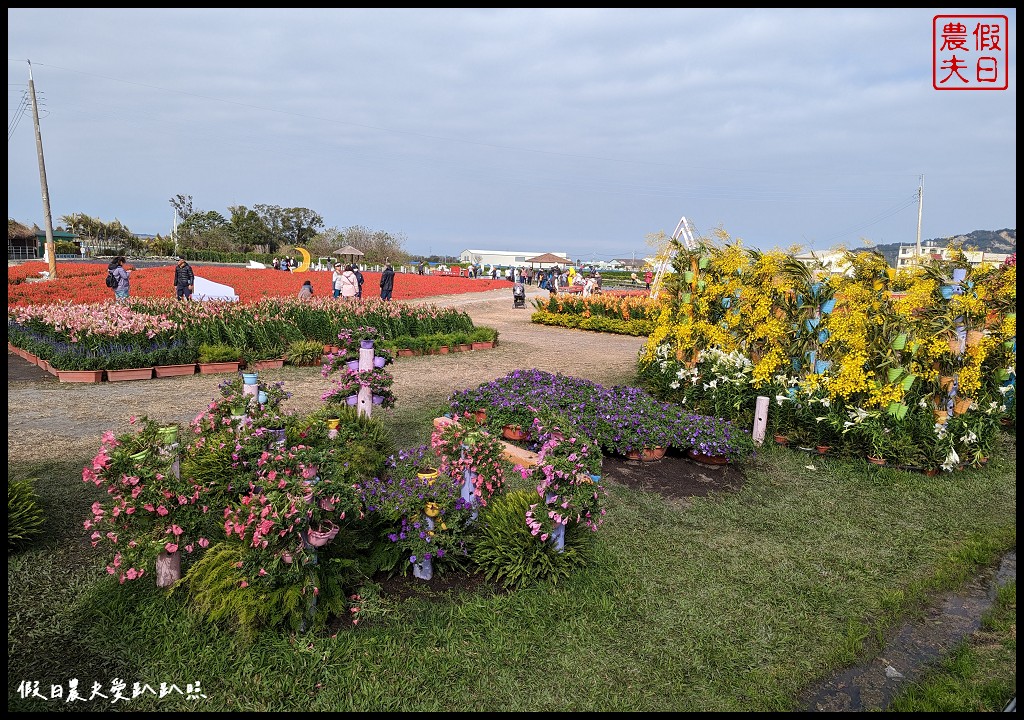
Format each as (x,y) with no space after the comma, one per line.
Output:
(84,283)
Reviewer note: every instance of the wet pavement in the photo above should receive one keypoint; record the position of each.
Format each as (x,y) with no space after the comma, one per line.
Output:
(913,647)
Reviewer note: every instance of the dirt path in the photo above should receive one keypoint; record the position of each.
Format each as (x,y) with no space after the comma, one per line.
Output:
(40,409)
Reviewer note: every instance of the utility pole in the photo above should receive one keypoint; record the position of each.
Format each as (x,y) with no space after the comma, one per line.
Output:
(51,258)
(920,207)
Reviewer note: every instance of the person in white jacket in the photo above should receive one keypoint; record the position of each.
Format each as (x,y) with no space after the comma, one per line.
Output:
(348,283)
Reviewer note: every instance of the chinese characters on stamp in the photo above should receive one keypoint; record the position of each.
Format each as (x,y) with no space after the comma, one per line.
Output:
(970,52)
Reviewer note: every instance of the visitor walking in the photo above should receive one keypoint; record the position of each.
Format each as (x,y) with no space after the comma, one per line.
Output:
(387,283)
(184,279)
(120,269)
(349,283)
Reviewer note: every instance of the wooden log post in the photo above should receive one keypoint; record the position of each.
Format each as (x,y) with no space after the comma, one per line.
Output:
(364,404)
(760,420)
(168,565)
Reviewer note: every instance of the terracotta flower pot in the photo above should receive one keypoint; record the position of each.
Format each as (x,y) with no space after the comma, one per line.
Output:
(876,460)
(268,364)
(80,376)
(513,432)
(781,440)
(823,449)
(130,374)
(218,367)
(707,459)
(164,371)
(647,454)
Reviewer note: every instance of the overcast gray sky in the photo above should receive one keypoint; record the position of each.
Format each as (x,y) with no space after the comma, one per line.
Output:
(560,130)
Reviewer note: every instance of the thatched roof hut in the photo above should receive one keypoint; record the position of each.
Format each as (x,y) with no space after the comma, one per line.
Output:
(17,231)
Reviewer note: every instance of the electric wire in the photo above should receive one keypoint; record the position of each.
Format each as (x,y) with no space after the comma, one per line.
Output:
(19,113)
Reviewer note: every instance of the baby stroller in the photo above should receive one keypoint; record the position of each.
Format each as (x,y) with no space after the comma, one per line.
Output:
(518,295)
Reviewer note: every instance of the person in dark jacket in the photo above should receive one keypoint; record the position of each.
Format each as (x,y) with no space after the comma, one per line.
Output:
(359,278)
(387,283)
(184,279)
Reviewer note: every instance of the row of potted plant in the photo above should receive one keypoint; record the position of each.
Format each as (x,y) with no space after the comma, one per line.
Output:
(145,332)
(478,339)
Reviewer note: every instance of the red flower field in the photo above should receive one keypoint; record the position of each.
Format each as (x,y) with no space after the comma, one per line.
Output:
(83,283)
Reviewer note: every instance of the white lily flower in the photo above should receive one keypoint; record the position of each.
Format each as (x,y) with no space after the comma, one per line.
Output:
(968,438)
(674,384)
(952,461)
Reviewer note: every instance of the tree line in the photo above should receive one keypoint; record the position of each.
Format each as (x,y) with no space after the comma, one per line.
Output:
(260,230)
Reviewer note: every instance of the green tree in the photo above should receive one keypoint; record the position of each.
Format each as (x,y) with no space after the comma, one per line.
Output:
(250,232)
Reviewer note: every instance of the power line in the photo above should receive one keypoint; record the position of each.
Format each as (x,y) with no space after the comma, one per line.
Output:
(19,113)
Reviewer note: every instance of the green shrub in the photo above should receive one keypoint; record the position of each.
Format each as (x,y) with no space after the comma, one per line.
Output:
(24,516)
(305,352)
(363,442)
(509,554)
(217,352)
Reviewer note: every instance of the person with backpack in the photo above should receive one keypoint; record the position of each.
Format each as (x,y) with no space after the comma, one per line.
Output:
(117,277)
(184,279)
(359,279)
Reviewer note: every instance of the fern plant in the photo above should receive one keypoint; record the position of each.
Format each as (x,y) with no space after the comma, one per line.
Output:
(508,553)
(226,587)
(24,516)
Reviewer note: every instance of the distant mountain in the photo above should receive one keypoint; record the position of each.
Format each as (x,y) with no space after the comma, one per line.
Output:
(996,241)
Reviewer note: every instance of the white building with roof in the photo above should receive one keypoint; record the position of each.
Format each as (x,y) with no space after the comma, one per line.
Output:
(503,258)
(931,250)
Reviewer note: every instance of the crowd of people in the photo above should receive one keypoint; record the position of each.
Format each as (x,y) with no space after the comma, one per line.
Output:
(347,280)
(552,279)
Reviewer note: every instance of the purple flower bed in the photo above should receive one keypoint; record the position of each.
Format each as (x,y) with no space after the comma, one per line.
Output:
(620,419)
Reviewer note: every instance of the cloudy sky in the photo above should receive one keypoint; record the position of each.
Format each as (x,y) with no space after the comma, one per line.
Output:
(580,131)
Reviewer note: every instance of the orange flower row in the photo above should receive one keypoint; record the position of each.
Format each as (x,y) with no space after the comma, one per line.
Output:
(84,283)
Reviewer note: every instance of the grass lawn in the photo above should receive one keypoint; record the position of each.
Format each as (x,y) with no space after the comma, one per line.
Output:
(730,603)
